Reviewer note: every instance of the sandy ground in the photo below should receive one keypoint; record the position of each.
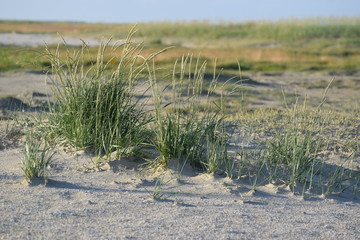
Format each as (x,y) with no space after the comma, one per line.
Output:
(34,40)
(117,202)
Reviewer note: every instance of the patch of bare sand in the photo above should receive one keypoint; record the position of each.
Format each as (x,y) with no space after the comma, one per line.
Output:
(24,92)
(119,203)
(34,40)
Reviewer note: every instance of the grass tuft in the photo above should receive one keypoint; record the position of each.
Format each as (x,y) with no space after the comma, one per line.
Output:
(37,156)
(183,132)
(95,105)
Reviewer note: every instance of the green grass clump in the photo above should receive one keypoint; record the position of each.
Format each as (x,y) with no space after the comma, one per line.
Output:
(296,151)
(95,105)
(37,155)
(184,133)
(293,146)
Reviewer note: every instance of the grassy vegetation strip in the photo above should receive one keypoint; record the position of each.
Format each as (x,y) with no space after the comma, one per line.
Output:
(310,44)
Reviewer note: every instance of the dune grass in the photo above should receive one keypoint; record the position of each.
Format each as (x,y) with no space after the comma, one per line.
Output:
(96,107)
(182,131)
(294,146)
(292,153)
(37,155)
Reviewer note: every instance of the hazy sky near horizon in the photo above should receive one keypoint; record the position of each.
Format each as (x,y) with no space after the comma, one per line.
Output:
(135,11)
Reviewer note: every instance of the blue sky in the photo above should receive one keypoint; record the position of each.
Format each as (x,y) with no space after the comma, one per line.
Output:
(136,11)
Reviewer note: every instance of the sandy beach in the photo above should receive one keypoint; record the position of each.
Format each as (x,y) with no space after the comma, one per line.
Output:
(35,40)
(118,204)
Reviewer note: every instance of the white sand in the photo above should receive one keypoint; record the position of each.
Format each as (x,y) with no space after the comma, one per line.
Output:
(118,205)
(35,40)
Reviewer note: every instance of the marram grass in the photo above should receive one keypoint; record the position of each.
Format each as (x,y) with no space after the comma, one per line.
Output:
(181,131)
(37,155)
(95,105)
